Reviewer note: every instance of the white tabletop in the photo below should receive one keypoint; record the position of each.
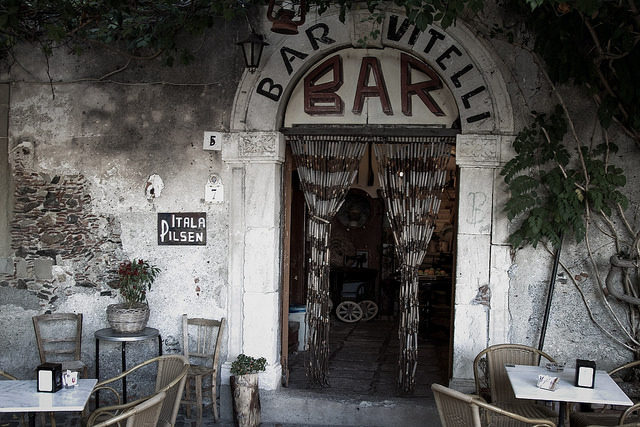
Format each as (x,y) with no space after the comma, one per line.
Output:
(23,396)
(524,381)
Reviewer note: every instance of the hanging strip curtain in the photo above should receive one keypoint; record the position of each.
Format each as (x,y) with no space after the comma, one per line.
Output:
(412,173)
(327,166)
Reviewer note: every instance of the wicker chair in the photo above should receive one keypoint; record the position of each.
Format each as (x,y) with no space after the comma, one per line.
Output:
(59,339)
(145,414)
(201,339)
(494,384)
(170,378)
(608,416)
(458,409)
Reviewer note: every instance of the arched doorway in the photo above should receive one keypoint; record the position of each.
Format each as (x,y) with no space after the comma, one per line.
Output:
(257,148)
(384,98)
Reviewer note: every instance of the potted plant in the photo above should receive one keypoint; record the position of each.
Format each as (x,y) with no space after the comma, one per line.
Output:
(134,280)
(244,389)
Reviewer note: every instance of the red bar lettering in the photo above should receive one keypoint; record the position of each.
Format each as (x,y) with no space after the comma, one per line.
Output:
(363,90)
(422,89)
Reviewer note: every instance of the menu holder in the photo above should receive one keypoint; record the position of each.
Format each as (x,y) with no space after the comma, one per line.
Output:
(49,377)
(585,373)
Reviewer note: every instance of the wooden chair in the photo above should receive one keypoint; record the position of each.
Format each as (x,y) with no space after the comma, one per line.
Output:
(171,375)
(608,416)
(492,381)
(201,340)
(59,339)
(144,414)
(458,409)
(7,376)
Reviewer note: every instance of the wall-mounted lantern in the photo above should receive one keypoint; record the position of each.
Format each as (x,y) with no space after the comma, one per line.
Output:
(283,15)
(252,50)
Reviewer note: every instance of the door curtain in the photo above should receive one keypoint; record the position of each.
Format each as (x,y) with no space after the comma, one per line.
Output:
(412,173)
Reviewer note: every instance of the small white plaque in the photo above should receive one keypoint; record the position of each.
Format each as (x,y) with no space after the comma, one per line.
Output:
(212,141)
(213,193)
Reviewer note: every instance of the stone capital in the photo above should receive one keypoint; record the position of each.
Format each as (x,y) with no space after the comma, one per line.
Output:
(253,147)
(478,150)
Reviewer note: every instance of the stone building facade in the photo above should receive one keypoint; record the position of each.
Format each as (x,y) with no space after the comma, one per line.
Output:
(80,152)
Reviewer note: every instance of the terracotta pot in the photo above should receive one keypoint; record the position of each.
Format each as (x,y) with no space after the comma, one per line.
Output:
(246,400)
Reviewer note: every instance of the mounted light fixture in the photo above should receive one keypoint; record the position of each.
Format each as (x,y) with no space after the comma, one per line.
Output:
(252,50)
(283,17)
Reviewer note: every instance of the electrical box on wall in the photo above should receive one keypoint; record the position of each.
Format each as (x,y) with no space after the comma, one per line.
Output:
(212,141)
(213,190)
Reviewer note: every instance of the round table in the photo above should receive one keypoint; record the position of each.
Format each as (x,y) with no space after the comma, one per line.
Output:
(108,334)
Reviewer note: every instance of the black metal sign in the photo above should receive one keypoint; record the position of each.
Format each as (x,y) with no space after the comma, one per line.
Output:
(182,228)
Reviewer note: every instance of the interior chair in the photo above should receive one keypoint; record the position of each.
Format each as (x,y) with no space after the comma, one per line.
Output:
(6,376)
(171,375)
(144,414)
(201,340)
(59,339)
(492,382)
(457,409)
(608,415)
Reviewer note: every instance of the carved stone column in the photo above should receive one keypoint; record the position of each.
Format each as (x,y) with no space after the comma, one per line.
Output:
(255,255)
(481,289)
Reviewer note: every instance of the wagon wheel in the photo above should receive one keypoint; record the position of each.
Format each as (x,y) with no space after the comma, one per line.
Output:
(369,309)
(349,311)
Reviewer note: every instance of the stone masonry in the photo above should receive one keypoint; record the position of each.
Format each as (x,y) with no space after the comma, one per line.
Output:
(57,241)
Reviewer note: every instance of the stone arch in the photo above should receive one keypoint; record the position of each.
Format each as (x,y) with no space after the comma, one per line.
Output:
(253,111)
(255,152)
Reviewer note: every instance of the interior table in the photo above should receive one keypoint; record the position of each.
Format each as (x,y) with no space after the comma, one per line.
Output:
(108,334)
(23,396)
(524,380)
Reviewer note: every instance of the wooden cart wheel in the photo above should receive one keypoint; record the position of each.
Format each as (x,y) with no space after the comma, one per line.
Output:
(369,309)
(349,311)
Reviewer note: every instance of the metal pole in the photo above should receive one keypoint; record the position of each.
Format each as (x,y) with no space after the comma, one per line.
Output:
(552,284)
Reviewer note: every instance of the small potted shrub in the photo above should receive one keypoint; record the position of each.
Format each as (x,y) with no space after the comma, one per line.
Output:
(244,389)
(134,280)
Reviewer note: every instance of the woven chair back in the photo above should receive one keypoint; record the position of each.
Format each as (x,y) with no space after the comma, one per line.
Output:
(455,408)
(145,414)
(6,376)
(499,355)
(171,376)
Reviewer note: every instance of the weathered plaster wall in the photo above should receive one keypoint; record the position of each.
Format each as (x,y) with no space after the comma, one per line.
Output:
(570,334)
(109,138)
(86,149)
(5,175)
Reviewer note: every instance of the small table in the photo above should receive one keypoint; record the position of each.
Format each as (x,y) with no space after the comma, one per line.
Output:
(23,396)
(108,334)
(524,380)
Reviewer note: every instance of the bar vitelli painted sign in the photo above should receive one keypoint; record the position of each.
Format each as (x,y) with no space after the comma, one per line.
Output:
(184,228)
(354,86)
(334,87)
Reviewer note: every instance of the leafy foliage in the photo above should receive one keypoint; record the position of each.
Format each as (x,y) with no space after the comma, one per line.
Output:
(594,44)
(146,29)
(248,365)
(135,278)
(551,188)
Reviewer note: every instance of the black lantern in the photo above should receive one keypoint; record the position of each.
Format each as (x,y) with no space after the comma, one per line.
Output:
(284,16)
(252,50)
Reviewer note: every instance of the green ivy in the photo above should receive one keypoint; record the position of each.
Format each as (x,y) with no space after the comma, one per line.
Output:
(550,190)
(248,365)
